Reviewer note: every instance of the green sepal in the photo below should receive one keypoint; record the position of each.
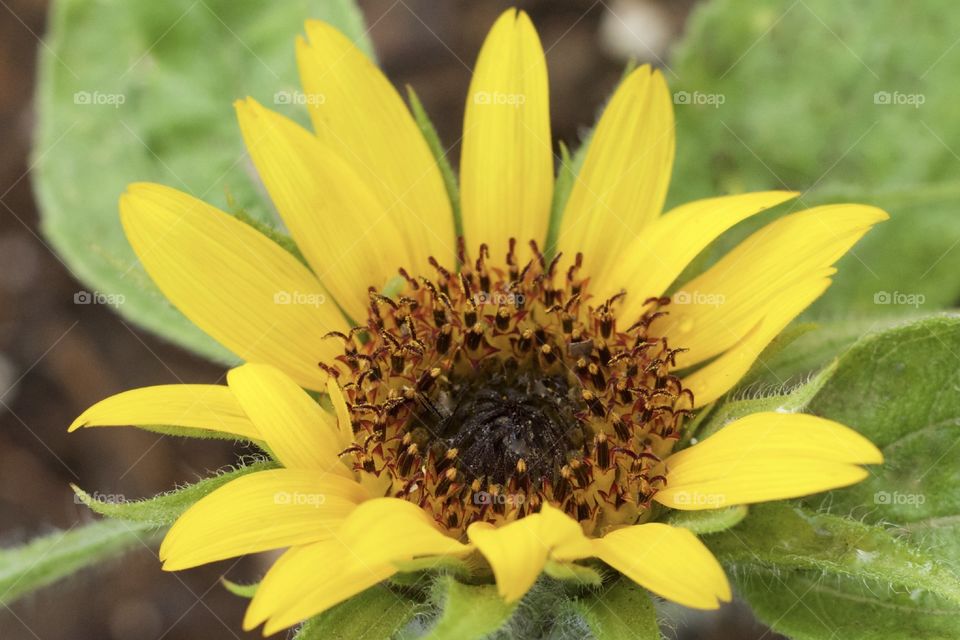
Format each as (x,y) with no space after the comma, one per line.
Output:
(573,574)
(467,612)
(420,572)
(429,133)
(165,508)
(242,590)
(624,611)
(378,612)
(55,556)
(708,520)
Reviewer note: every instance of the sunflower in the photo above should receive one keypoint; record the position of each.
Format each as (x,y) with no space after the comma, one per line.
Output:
(435,385)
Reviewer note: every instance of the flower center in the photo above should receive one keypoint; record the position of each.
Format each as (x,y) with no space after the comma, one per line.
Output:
(483,392)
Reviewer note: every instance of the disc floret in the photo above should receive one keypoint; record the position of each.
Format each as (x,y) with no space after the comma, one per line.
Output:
(483,392)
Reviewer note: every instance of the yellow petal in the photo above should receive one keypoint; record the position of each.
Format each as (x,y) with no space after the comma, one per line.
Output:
(716,378)
(669,561)
(357,113)
(517,552)
(343,230)
(506,164)
(766,456)
(234,283)
(261,511)
(306,581)
(390,529)
(376,534)
(195,406)
(651,262)
(721,305)
(344,423)
(298,432)
(624,179)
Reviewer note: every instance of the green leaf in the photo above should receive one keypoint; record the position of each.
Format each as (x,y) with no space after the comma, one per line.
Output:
(439,154)
(468,612)
(622,612)
(52,557)
(785,538)
(802,570)
(760,112)
(889,548)
(378,612)
(810,607)
(143,91)
(816,348)
(905,382)
(165,508)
